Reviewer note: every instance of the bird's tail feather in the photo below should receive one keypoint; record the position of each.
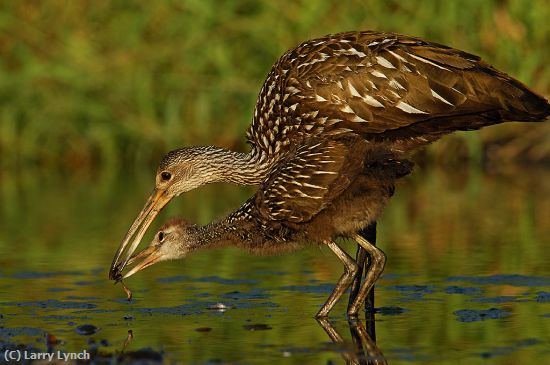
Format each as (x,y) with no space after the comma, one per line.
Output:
(519,105)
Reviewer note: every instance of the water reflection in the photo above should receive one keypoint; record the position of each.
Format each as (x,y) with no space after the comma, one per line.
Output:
(127,341)
(363,349)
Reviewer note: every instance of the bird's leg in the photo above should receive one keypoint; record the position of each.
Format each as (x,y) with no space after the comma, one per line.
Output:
(360,259)
(377,263)
(350,271)
(369,234)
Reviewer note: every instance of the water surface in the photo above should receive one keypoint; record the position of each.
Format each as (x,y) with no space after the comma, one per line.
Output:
(467,279)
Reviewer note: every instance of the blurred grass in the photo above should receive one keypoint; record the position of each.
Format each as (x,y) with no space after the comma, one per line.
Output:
(86,84)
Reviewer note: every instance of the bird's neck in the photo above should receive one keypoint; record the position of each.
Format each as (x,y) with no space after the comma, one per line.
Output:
(236,229)
(214,235)
(237,168)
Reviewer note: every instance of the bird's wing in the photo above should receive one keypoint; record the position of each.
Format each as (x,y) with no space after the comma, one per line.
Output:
(309,179)
(371,83)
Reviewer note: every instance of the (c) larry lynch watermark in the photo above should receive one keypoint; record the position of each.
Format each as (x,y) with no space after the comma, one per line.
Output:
(19,355)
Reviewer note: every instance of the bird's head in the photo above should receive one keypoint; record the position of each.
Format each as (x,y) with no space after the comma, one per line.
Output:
(186,168)
(174,240)
(179,171)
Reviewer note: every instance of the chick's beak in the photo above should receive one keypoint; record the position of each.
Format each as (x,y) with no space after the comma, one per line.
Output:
(158,199)
(148,257)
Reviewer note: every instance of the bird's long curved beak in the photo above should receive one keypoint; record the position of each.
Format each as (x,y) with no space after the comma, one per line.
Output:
(149,256)
(157,200)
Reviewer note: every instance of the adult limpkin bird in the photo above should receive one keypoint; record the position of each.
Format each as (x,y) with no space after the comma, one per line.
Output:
(333,127)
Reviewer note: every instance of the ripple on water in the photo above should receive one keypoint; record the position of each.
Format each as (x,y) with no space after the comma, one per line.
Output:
(77,297)
(52,303)
(184,309)
(62,318)
(47,274)
(58,290)
(310,289)
(507,350)
(253,294)
(499,299)
(514,280)
(474,315)
(21,331)
(413,288)
(467,290)
(206,279)
(413,292)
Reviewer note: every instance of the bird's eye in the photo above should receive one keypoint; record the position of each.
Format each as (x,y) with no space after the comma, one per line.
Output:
(165,175)
(161,236)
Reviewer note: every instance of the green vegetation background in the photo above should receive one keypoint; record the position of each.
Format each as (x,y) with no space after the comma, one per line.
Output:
(111,84)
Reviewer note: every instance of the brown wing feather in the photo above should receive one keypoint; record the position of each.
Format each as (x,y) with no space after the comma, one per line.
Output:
(303,184)
(379,83)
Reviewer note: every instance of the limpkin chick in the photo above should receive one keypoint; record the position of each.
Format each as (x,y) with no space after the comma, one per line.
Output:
(177,239)
(250,228)
(174,240)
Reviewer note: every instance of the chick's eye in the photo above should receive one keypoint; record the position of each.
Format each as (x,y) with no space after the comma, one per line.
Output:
(165,175)
(161,236)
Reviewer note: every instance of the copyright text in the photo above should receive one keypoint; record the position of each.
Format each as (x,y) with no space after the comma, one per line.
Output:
(19,355)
